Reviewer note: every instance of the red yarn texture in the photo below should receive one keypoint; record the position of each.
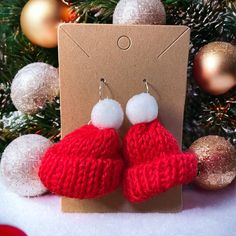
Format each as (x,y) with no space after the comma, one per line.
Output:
(154,162)
(87,163)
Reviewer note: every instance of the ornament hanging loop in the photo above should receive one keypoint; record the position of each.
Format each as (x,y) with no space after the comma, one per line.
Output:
(146,85)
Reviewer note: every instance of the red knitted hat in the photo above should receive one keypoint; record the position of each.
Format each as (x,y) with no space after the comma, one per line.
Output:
(154,160)
(87,163)
(155,163)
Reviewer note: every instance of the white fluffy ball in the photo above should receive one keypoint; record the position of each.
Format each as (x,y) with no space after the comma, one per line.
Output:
(33,86)
(20,163)
(107,113)
(142,108)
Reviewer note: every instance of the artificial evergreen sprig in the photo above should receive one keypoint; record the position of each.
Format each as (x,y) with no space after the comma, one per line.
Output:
(10,11)
(101,11)
(17,51)
(45,122)
(94,11)
(208,21)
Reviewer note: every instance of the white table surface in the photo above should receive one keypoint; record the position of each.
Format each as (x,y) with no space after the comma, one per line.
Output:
(204,214)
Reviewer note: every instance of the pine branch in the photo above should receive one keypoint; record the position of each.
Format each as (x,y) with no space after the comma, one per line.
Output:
(10,14)
(214,21)
(94,11)
(101,11)
(230,21)
(209,21)
(15,123)
(17,51)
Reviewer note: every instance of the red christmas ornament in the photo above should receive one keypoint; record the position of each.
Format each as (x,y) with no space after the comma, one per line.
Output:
(7,230)
(67,14)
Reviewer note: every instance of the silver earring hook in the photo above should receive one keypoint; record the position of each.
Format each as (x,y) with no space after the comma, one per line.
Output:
(146,85)
(103,83)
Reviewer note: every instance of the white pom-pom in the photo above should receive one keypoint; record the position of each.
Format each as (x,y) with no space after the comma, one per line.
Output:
(142,108)
(107,113)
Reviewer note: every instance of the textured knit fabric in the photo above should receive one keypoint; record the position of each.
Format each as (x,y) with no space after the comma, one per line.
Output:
(154,162)
(87,163)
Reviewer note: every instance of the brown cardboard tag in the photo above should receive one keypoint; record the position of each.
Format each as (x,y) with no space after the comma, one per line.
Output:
(123,55)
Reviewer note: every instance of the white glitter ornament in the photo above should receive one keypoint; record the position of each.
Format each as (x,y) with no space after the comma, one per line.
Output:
(33,86)
(20,163)
(142,12)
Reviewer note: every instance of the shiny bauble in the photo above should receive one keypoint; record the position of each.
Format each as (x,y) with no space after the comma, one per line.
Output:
(142,12)
(215,67)
(39,20)
(66,13)
(217,162)
(20,163)
(33,86)
(8,230)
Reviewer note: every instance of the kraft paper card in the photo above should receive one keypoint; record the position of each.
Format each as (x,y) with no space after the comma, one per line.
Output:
(124,55)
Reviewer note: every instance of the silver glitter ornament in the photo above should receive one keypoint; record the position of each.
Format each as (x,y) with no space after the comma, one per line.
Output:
(20,163)
(33,86)
(143,12)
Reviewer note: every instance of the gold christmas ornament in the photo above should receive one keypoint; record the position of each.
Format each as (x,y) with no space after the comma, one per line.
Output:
(217,162)
(39,20)
(215,67)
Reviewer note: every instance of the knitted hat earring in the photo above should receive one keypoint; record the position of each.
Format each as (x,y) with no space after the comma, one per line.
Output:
(87,163)
(155,162)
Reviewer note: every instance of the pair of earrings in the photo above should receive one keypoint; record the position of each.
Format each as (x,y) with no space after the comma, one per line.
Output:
(90,162)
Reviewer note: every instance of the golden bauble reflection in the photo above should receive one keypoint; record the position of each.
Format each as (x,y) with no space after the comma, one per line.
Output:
(215,67)
(39,20)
